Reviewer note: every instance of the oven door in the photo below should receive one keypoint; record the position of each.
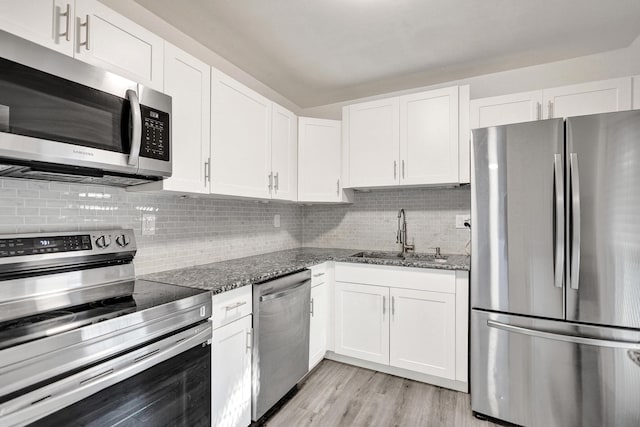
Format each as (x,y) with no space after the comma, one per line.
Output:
(166,383)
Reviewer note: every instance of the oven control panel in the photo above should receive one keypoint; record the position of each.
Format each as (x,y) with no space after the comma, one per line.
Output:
(44,245)
(155,134)
(94,242)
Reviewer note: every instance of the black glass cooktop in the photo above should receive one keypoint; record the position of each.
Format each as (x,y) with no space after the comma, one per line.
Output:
(146,294)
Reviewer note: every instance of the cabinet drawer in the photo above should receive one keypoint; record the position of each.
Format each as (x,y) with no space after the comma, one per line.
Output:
(232,305)
(318,274)
(423,279)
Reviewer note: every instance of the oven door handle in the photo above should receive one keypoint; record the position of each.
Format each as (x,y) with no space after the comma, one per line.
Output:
(53,397)
(136,127)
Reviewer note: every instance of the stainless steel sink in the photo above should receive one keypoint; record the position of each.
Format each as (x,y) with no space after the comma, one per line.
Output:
(442,259)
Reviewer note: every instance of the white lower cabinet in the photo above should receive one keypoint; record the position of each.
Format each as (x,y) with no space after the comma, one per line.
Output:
(231,374)
(410,322)
(422,332)
(318,325)
(231,359)
(362,322)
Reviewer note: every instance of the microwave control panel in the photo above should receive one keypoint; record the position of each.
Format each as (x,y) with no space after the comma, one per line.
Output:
(155,134)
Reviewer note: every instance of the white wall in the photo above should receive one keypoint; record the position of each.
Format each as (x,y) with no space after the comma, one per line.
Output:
(155,24)
(600,66)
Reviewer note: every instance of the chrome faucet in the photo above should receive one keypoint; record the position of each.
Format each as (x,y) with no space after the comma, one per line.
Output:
(401,236)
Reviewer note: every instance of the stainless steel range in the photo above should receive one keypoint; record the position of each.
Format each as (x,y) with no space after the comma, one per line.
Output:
(83,342)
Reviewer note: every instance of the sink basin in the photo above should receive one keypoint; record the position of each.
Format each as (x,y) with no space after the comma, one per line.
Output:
(442,259)
(379,255)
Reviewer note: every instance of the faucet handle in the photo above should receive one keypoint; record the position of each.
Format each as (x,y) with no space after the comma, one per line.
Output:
(437,249)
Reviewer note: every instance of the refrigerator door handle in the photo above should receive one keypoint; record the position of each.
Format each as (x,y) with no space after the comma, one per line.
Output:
(575,222)
(559,217)
(575,339)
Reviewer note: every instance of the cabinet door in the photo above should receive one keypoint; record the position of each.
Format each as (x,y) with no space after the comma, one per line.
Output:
(240,139)
(362,322)
(187,80)
(284,153)
(318,326)
(373,143)
(109,40)
(636,93)
(319,163)
(604,96)
(45,22)
(423,334)
(506,109)
(429,137)
(231,374)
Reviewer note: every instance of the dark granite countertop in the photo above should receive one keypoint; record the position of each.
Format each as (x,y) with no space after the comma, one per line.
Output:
(224,276)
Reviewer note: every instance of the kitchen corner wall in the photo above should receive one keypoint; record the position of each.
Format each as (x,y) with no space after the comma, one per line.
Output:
(371,221)
(188,231)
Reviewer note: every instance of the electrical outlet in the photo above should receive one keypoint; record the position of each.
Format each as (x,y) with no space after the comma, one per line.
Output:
(276,221)
(148,224)
(461,219)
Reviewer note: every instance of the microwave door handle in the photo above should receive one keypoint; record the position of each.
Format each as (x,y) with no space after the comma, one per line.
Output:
(136,127)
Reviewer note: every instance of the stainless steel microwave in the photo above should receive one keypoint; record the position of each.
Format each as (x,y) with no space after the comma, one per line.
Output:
(64,120)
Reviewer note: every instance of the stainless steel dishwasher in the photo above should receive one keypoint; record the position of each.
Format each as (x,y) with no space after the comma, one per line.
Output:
(281,338)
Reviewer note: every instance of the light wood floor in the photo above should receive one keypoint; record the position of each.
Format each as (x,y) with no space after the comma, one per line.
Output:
(335,394)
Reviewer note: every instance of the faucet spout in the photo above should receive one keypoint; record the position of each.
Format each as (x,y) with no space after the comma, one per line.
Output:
(401,236)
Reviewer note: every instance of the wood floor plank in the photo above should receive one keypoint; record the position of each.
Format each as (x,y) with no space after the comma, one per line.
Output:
(340,395)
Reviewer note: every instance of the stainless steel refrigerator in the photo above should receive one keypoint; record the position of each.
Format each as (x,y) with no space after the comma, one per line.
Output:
(555,271)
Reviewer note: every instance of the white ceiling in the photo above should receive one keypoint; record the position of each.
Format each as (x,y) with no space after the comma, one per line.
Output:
(317,52)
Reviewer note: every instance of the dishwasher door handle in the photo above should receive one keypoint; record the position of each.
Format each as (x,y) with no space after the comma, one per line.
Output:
(284,293)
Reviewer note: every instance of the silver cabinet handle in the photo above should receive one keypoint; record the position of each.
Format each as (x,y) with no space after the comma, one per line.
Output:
(277,181)
(393,306)
(550,109)
(559,217)
(67,16)
(136,127)
(538,111)
(384,305)
(207,170)
(395,166)
(576,339)
(338,187)
(403,169)
(270,181)
(249,343)
(87,42)
(318,275)
(575,221)
(311,308)
(234,306)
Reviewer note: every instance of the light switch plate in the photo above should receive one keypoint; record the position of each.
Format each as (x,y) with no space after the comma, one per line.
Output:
(461,219)
(276,221)
(148,224)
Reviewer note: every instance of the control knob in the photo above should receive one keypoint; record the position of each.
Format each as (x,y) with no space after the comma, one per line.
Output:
(103,242)
(123,240)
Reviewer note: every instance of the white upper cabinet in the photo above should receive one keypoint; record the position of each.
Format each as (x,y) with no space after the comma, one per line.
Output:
(506,109)
(603,96)
(636,93)
(49,23)
(429,137)
(423,332)
(284,154)
(373,135)
(108,40)
(408,140)
(240,139)
(187,80)
(319,165)
(362,322)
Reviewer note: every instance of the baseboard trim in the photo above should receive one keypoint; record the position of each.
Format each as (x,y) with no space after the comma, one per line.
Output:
(399,372)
